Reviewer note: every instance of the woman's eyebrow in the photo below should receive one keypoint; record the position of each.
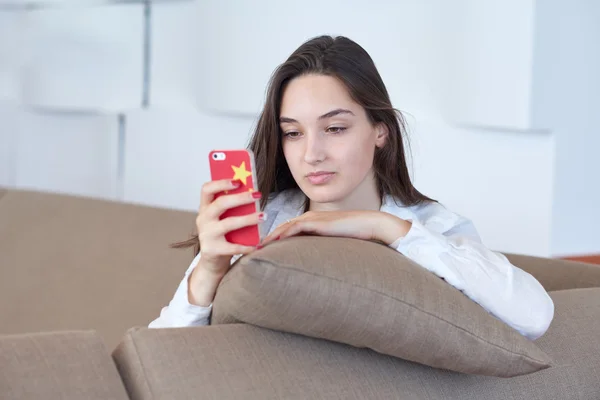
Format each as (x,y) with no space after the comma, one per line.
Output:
(335,112)
(329,114)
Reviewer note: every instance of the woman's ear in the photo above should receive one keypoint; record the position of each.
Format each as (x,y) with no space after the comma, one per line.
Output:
(382,133)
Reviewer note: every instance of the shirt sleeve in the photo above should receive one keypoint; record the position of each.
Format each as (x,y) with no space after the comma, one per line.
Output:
(448,245)
(179,312)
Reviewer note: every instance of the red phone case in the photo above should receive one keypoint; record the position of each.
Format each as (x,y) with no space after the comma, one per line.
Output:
(238,164)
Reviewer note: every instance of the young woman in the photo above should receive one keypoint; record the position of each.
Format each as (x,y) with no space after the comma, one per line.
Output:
(330,161)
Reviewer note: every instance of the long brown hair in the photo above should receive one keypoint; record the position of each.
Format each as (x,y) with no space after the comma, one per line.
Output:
(347,61)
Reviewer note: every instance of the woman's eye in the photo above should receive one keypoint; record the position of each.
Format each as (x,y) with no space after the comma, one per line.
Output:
(336,129)
(291,134)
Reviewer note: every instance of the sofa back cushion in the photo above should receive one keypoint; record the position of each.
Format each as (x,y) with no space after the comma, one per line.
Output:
(368,295)
(60,365)
(229,362)
(72,263)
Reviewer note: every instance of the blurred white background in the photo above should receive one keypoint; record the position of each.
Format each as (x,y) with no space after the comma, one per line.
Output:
(123,100)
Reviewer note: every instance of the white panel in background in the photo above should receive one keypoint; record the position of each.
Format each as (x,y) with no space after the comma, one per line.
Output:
(240,43)
(22,4)
(567,97)
(173,39)
(68,153)
(11,54)
(469,61)
(13,4)
(167,154)
(9,129)
(502,182)
(48,3)
(84,58)
(488,62)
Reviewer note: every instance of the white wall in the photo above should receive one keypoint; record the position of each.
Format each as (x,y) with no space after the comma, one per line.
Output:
(466,61)
(11,28)
(9,116)
(486,62)
(11,56)
(466,72)
(567,99)
(83,58)
(490,177)
(175,59)
(69,153)
(166,154)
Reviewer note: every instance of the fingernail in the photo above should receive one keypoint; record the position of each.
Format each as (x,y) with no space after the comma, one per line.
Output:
(236,182)
(278,237)
(256,195)
(259,246)
(262,216)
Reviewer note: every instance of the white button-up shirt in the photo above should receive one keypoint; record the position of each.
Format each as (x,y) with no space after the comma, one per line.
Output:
(440,241)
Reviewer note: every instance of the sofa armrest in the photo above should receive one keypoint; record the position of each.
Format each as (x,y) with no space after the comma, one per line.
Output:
(555,274)
(60,365)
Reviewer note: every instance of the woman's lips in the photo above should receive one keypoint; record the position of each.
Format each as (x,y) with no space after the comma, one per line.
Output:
(320,178)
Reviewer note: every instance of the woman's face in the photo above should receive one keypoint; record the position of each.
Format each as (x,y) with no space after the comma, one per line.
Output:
(328,141)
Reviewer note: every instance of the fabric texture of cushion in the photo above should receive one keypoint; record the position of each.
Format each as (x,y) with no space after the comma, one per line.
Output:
(74,263)
(58,365)
(368,295)
(240,361)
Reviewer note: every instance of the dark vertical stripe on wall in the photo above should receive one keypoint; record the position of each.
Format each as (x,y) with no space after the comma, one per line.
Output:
(147,53)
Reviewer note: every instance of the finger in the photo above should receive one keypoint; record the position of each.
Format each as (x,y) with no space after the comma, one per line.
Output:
(277,234)
(273,236)
(224,203)
(239,249)
(269,238)
(212,188)
(229,250)
(297,228)
(312,227)
(233,223)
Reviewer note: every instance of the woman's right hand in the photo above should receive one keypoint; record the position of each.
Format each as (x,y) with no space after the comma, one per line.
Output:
(216,251)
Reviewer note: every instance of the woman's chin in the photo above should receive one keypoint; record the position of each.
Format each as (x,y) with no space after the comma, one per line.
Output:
(323,194)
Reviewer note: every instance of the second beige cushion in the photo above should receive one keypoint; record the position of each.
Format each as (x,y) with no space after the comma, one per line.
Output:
(368,295)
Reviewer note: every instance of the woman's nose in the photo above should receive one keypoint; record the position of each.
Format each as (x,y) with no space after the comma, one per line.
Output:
(314,151)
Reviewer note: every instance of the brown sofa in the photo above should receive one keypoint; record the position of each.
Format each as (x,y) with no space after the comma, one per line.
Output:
(77,274)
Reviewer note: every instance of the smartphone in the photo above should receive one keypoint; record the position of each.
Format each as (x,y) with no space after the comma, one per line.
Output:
(237,164)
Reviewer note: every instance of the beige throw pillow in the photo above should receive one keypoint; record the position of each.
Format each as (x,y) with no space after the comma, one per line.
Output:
(368,295)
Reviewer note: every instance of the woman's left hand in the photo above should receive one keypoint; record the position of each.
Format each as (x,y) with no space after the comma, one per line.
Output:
(367,225)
